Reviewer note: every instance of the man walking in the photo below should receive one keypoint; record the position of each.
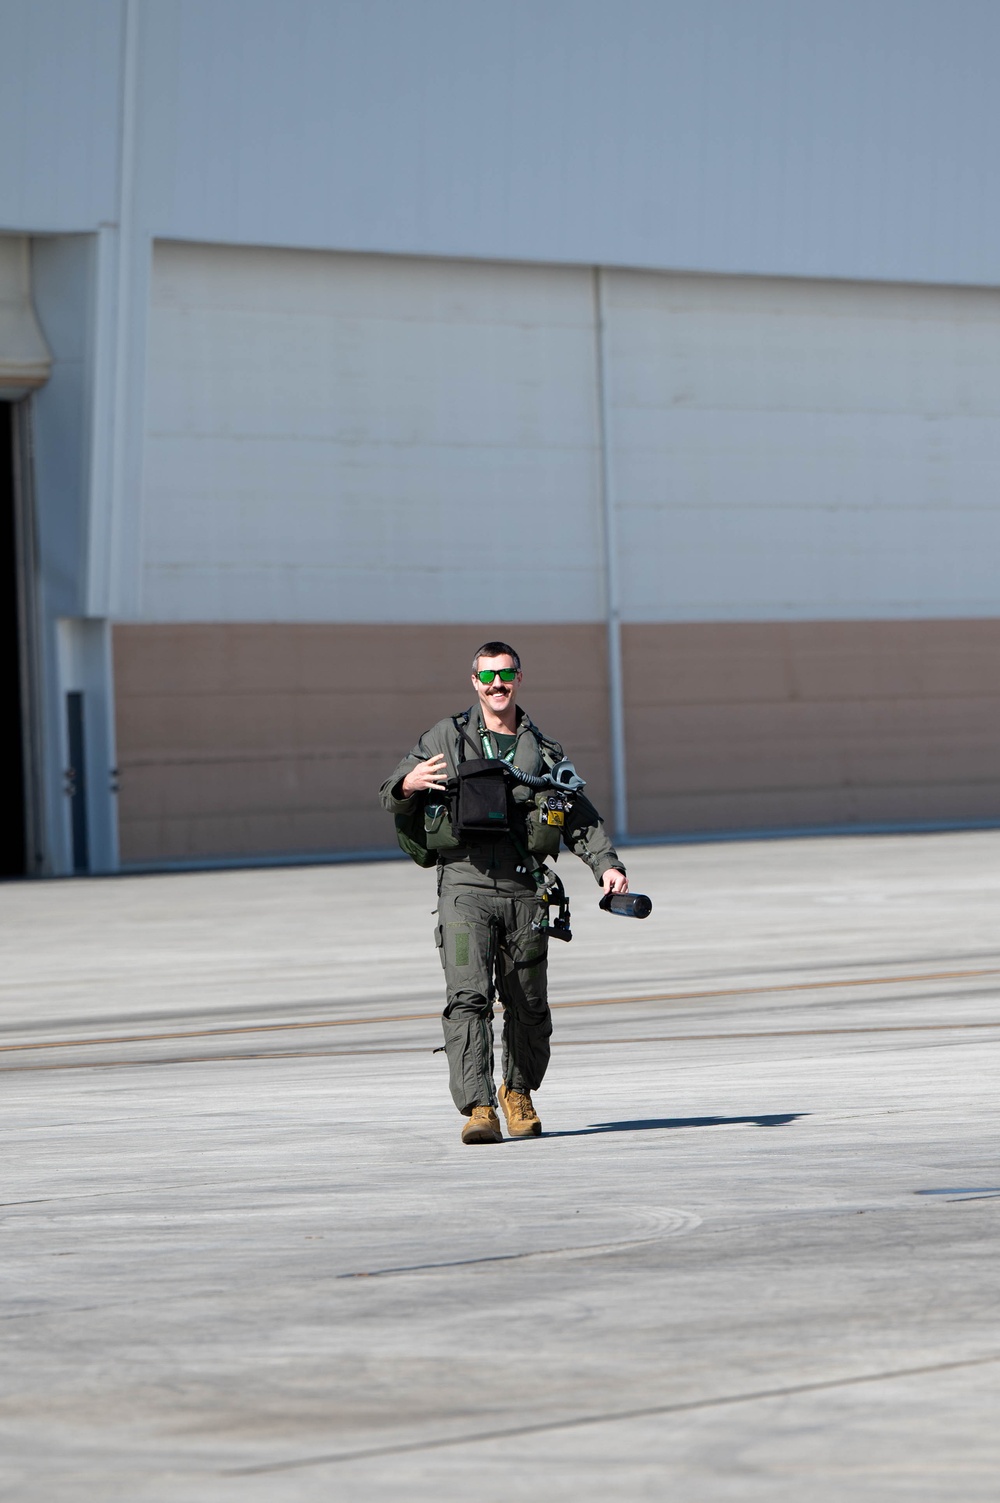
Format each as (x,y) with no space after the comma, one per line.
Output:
(490,912)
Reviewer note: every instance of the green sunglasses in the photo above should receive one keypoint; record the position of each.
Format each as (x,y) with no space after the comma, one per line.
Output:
(505,675)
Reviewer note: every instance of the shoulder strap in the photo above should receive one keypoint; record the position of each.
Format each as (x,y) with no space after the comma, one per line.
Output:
(460,723)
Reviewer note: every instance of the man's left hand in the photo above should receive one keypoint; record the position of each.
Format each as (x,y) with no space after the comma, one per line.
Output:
(614,881)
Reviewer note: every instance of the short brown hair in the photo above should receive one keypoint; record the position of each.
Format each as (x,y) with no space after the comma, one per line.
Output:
(496,650)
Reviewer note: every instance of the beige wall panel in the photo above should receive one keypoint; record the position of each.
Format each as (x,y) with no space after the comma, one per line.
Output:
(245,740)
(803,450)
(359,437)
(770,725)
(811,808)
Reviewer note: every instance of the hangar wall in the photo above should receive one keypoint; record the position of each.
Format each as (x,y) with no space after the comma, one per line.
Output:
(798,457)
(343,449)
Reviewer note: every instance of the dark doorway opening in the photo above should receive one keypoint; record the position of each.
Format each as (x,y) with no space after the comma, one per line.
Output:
(12,782)
(76,781)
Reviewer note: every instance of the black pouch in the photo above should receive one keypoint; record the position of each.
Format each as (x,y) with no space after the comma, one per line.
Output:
(481,798)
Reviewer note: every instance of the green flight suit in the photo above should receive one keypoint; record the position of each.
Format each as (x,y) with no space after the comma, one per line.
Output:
(488,932)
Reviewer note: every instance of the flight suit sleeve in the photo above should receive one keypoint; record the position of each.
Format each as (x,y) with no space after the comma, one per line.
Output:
(587,838)
(431,743)
(391,793)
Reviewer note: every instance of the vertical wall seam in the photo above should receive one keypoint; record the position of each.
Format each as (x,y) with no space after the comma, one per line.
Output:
(102,321)
(111,563)
(111,336)
(124,303)
(29,636)
(612,596)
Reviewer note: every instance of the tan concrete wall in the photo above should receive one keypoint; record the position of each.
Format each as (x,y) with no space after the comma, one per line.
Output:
(767,725)
(242,740)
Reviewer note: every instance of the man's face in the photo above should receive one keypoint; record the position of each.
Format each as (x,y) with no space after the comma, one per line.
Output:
(497,695)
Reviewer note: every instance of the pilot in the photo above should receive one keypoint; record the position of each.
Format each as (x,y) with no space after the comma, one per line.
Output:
(490,915)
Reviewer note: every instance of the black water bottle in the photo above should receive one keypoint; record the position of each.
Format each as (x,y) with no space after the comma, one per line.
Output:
(627,904)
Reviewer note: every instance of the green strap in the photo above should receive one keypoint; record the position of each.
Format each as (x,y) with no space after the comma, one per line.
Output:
(491,750)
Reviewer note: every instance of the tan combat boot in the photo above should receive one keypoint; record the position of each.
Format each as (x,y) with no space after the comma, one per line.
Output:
(522,1119)
(482,1126)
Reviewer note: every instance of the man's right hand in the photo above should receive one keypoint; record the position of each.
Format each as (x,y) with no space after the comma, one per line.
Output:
(426,775)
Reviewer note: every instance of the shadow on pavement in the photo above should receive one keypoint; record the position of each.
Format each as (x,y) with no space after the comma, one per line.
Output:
(648,1124)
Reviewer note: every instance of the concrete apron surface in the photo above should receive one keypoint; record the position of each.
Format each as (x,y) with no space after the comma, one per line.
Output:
(245,1255)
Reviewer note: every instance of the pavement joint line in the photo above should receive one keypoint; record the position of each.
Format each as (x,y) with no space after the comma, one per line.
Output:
(652,1038)
(413,1017)
(512,1257)
(784,1033)
(647,1412)
(74,1195)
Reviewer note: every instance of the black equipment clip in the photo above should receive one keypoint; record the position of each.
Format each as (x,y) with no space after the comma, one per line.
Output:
(553,895)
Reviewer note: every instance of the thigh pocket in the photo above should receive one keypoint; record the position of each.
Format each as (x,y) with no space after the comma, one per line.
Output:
(534,958)
(528,947)
(452,941)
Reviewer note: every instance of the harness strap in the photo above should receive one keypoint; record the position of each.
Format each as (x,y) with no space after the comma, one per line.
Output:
(460,722)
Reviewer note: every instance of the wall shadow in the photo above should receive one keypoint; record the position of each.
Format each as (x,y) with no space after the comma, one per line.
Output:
(672,1124)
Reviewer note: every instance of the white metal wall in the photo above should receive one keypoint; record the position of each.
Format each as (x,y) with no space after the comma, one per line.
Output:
(363,439)
(775,137)
(778,137)
(367,439)
(60,107)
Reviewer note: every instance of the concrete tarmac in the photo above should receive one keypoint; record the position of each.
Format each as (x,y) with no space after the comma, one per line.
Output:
(754,1256)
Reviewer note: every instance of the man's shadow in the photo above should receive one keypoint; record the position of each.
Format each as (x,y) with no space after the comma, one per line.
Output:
(670,1124)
